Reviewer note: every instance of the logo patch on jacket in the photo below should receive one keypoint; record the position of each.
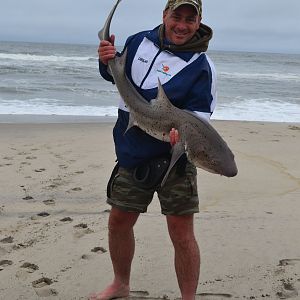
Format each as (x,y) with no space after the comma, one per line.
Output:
(143,60)
(164,69)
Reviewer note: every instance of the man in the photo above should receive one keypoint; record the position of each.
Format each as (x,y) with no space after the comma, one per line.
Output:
(174,52)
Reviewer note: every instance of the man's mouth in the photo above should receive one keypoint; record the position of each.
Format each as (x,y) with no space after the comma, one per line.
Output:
(180,34)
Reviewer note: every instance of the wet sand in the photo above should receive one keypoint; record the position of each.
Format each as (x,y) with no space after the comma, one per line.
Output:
(53,216)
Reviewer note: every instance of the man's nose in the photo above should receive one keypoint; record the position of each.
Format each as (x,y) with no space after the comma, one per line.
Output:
(181,26)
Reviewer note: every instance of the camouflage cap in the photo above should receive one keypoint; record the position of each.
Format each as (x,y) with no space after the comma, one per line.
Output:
(173,4)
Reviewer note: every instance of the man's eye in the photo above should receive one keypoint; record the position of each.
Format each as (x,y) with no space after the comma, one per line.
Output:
(191,20)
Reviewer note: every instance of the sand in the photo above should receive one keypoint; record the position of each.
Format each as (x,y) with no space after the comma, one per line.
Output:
(53,216)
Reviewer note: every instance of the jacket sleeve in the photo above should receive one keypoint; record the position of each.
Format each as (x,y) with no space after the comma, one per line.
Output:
(103,68)
(203,95)
(104,72)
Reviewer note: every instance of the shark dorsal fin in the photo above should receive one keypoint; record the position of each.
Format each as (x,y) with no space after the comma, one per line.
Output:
(161,98)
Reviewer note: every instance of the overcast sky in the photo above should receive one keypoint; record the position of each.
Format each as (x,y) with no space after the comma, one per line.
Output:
(256,25)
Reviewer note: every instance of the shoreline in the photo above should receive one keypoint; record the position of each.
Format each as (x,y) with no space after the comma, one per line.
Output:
(48,119)
(65,119)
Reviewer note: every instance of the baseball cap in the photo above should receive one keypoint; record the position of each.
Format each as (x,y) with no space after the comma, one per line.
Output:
(173,4)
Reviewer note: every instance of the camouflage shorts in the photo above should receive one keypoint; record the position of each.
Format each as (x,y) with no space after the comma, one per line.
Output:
(178,196)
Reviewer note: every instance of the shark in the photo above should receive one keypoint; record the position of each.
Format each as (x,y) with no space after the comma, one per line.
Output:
(201,142)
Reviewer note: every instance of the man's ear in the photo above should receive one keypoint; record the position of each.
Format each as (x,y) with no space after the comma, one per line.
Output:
(200,19)
(165,13)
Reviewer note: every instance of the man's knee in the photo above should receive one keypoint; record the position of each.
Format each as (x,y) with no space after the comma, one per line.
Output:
(181,228)
(121,220)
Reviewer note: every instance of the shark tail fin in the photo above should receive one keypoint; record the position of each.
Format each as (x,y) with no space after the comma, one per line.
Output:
(104,34)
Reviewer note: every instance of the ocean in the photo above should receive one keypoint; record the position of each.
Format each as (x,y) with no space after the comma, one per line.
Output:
(63,80)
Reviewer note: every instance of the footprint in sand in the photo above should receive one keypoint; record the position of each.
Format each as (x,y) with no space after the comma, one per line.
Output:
(289,261)
(40,170)
(7,240)
(27,198)
(42,287)
(164,297)
(30,268)
(44,281)
(5,263)
(44,291)
(66,220)
(288,290)
(30,157)
(81,230)
(144,295)
(290,285)
(49,202)
(24,245)
(63,166)
(79,172)
(65,269)
(86,256)
(75,189)
(81,225)
(8,158)
(42,214)
(52,186)
(137,295)
(23,153)
(292,127)
(99,250)
(212,296)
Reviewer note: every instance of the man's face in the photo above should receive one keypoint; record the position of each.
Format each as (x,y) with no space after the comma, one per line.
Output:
(181,24)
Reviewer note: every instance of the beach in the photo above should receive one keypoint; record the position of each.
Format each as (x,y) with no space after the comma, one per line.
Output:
(53,216)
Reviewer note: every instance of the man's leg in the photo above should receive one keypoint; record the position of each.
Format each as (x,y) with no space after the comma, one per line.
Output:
(121,248)
(187,255)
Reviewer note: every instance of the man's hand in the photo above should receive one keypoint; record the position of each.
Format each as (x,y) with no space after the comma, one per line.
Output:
(174,136)
(107,50)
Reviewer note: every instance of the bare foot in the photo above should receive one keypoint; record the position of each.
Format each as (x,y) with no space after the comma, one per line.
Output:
(111,292)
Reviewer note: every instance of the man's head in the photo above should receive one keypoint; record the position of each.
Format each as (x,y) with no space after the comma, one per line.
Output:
(173,4)
(182,19)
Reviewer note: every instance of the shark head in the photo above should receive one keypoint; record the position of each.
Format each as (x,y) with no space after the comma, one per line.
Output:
(218,160)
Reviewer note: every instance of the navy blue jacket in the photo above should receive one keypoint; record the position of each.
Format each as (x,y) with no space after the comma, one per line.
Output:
(188,79)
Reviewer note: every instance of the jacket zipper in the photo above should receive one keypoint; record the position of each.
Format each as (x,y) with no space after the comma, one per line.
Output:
(152,63)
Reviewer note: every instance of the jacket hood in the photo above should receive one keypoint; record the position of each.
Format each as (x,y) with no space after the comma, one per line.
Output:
(198,43)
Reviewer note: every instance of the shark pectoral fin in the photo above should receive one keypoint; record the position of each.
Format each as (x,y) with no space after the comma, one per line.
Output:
(131,123)
(177,151)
